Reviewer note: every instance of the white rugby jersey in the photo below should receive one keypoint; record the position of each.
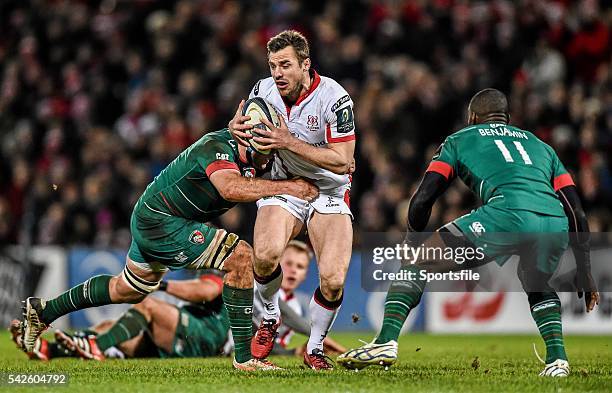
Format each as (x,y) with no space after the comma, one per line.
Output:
(322,115)
(284,332)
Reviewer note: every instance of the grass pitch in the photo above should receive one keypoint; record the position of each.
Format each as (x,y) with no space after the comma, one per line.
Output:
(427,363)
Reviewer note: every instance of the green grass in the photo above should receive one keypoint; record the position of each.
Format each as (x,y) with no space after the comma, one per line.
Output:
(441,363)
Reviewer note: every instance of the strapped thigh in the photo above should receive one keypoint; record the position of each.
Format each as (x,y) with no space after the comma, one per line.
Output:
(217,252)
(138,284)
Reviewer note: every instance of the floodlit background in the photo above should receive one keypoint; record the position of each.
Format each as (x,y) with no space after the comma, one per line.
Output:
(96,97)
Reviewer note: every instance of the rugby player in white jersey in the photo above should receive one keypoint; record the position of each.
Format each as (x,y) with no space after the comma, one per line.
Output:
(316,141)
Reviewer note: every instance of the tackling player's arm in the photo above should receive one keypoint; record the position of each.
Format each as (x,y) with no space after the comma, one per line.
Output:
(219,162)
(579,234)
(204,289)
(233,187)
(439,174)
(335,157)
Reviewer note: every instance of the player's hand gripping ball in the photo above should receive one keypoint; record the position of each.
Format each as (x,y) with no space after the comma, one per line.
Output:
(258,108)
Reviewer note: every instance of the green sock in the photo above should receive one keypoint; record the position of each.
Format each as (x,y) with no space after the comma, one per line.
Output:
(402,297)
(92,293)
(546,312)
(239,304)
(131,323)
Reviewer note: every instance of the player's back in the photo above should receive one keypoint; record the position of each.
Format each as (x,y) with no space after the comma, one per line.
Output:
(183,189)
(506,165)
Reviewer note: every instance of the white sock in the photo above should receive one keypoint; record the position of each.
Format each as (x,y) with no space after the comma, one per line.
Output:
(269,295)
(321,321)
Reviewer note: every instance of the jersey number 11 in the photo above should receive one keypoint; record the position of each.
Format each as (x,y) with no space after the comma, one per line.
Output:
(506,153)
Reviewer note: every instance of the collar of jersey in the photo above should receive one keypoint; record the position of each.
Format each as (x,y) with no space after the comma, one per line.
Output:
(316,80)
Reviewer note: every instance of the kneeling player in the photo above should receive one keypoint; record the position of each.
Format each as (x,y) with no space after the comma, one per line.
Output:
(168,232)
(524,189)
(151,328)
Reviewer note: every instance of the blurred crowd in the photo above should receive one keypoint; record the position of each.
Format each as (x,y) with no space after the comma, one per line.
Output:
(96,97)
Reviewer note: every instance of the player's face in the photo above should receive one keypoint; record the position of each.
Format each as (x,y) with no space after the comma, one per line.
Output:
(261,160)
(287,72)
(295,266)
(257,160)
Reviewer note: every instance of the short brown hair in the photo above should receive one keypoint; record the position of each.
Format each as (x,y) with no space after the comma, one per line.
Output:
(291,38)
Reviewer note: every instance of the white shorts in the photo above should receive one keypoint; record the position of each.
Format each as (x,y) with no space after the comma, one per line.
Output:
(335,201)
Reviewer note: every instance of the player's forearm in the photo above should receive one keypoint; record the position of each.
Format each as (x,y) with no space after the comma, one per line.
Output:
(578,226)
(194,291)
(244,189)
(432,186)
(324,157)
(293,320)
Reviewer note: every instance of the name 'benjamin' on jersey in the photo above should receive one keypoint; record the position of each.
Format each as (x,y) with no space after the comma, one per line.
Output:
(502,130)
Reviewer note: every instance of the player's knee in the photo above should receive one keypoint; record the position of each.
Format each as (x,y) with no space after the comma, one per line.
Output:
(128,287)
(121,292)
(147,305)
(241,259)
(267,256)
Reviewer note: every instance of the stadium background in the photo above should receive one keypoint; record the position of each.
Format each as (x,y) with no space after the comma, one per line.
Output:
(96,97)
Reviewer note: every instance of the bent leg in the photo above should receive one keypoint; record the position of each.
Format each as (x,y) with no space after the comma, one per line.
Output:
(238,298)
(129,326)
(274,227)
(332,239)
(162,319)
(405,295)
(545,308)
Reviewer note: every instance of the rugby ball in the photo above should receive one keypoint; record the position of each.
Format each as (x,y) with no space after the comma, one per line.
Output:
(258,108)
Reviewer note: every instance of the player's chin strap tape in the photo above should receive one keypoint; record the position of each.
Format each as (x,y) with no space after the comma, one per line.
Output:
(138,284)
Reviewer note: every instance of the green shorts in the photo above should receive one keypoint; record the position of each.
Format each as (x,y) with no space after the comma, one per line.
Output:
(202,336)
(503,233)
(161,242)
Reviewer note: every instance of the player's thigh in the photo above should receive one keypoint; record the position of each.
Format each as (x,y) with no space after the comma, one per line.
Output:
(164,322)
(198,336)
(331,236)
(274,227)
(495,232)
(178,243)
(436,258)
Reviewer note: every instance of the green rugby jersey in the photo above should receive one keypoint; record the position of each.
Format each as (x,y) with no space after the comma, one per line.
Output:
(502,162)
(183,188)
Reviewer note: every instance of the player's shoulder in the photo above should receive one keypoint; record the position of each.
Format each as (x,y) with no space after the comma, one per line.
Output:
(330,87)
(215,141)
(333,95)
(463,132)
(263,87)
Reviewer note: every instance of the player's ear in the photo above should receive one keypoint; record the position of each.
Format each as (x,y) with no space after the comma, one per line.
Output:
(471,118)
(306,64)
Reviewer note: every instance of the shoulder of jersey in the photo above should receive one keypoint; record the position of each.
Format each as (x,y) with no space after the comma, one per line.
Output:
(264,87)
(331,87)
(463,131)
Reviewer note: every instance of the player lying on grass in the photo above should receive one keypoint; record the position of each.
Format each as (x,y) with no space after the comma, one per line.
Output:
(151,328)
(316,140)
(294,261)
(155,328)
(524,189)
(168,232)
